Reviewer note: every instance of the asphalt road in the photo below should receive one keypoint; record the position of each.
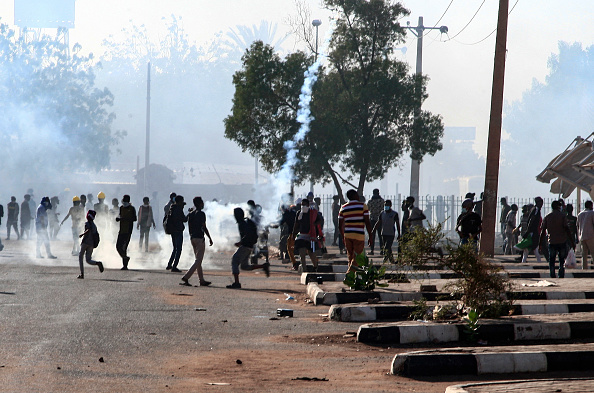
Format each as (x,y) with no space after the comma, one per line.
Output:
(138,330)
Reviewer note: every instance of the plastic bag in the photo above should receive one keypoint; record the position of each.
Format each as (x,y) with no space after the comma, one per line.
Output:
(570,262)
(525,243)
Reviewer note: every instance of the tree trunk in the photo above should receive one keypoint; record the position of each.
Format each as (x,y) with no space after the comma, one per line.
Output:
(362,177)
(336,182)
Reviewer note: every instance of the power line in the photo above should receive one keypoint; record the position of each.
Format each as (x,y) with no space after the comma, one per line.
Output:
(490,34)
(470,21)
(442,15)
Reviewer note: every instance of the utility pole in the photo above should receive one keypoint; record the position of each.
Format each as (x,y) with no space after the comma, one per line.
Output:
(487,243)
(147,151)
(418,31)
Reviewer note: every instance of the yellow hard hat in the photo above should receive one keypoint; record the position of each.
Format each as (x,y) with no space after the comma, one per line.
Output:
(101,195)
(76,199)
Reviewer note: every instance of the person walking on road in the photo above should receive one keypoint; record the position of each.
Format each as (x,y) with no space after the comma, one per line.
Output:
(354,220)
(76,214)
(387,225)
(41,224)
(555,224)
(305,232)
(585,225)
(197,228)
(175,227)
(145,221)
(89,241)
(126,218)
(12,219)
(376,207)
(533,230)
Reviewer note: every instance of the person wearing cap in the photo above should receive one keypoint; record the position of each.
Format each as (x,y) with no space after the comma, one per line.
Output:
(26,217)
(77,214)
(88,244)
(126,218)
(175,227)
(469,224)
(41,223)
(102,211)
(145,221)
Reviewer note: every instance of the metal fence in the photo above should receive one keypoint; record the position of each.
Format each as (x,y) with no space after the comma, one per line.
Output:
(443,209)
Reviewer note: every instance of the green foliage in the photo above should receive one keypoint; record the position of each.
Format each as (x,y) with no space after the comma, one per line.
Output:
(363,106)
(54,118)
(420,247)
(472,324)
(365,276)
(421,310)
(483,286)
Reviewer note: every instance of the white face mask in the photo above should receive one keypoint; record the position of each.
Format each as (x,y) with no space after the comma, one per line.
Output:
(304,209)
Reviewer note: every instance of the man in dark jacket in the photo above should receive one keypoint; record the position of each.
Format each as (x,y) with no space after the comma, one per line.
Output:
(175,227)
(248,233)
(126,218)
(555,224)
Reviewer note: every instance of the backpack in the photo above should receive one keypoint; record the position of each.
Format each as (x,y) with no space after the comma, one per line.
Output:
(96,239)
(251,235)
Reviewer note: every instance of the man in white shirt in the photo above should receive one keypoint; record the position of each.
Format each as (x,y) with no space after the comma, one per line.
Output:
(585,224)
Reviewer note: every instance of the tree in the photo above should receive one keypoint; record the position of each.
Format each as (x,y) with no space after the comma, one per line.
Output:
(364,102)
(54,118)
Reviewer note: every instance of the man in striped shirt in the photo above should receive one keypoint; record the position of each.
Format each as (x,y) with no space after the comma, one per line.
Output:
(353,220)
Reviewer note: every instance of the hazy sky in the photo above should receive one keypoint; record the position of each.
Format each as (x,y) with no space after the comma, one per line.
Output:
(460,69)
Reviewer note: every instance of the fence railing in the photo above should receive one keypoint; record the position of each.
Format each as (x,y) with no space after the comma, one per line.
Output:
(443,209)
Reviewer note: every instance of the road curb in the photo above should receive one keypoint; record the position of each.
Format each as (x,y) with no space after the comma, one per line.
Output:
(337,276)
(430,363)
(586,384)
(414,333)
(385,312)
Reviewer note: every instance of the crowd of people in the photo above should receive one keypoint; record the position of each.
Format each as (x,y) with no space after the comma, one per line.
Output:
(301,229)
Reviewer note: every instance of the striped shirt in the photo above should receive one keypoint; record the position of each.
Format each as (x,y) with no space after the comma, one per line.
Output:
(353,213)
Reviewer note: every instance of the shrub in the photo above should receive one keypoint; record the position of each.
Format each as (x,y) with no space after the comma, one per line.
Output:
(365,276)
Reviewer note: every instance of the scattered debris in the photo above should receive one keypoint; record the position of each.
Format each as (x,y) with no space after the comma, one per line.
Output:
(218,384)
(101,360)
(238,361)
(284,312)
(542,283)
(309,379)
(224,320)
(200,309)
(349,335)
(59,368)
(273,319)
(289,297)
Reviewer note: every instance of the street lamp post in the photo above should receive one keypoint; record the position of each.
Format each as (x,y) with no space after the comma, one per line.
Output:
(418,31)
(316,23)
